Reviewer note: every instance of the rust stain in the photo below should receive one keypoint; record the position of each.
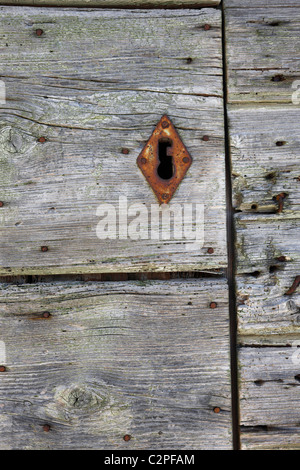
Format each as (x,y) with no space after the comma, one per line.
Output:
(294,286)
(148,160)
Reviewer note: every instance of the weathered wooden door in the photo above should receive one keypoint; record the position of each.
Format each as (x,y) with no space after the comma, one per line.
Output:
(114,327)
(124,294)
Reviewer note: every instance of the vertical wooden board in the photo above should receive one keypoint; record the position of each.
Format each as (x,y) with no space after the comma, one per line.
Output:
(269,397)
(147,359)
(261,41)
(93,86)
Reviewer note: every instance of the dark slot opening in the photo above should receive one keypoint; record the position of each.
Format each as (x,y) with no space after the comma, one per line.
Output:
(165,169)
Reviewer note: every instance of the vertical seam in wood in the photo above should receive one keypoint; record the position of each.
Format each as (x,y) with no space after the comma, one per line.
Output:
(231,257)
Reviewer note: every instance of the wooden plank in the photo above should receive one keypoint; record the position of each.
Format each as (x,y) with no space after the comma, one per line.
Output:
(96,82)
(269,397)
(148,359)
(267,4)
(264,165)
(260,49)
(264,148)
(117,3)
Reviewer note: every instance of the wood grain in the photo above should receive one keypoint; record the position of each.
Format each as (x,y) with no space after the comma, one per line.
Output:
(269,397)
(96,82)
(264,148)
(117,3)
(261,40)
(148,359)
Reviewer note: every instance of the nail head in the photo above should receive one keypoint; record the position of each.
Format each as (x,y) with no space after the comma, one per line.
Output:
(213,305)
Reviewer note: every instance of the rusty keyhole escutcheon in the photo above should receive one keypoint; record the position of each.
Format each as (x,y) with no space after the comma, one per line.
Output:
(164,160)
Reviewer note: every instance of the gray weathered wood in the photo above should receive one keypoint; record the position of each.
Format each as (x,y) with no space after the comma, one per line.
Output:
(261,45)
(95,82)
(116,3)
(267,242)
(265,154)
(148,359)
(269,397)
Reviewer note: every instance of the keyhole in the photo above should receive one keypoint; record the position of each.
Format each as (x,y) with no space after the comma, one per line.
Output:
(165,169)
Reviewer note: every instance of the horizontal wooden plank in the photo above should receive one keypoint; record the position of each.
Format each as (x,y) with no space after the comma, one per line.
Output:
(260,49)
(116,3)
(264,149)
(269,397)
(263,239)
(94,83)
(258,4)
(147,359)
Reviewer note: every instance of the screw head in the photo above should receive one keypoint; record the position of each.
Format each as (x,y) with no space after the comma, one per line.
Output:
(143,160)
(213,305)
(164,196)
(210,250)
(46,428)
(125,151)
(164,124)
(127,437)
(217,409)
(39,32)
(1,203)
(207,27)
(44,248)
(46,315)
(42,140)
(205,138)
(185,159)
(2,369)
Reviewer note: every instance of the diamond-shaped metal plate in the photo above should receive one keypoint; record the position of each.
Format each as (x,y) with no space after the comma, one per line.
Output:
(148,160)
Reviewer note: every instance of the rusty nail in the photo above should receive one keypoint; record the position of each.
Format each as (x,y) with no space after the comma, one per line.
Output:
(1,203)
(205,138)
(185,159)
(44,248)
(164,124)
(39,32)
(279,198)
(46,315)
(127,437)
(210,250)
(217,409)
(213,305)
(281,258)
(294,286)
(2,369)
(46,428)
(207,27)
(42,140)
(143,160)
(125,151)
